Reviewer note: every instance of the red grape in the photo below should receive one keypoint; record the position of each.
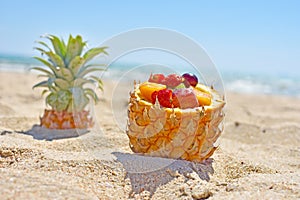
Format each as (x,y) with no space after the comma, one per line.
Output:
(190,79)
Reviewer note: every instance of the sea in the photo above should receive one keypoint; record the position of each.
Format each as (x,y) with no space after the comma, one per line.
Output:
(233,80)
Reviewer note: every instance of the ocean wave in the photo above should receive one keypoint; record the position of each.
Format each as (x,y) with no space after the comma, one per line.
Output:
(247,86)
(257,85)
(16,67)
(233,81)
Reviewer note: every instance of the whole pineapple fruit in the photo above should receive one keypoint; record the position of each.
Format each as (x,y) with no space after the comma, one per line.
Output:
(68,74)
(174,117)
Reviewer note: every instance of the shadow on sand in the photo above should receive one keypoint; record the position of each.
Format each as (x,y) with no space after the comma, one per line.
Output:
(148,173)
(41,133)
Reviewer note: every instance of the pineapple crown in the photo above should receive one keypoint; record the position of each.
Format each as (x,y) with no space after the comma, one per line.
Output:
(67,73)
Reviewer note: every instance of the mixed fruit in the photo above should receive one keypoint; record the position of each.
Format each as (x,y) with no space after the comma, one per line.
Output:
(175,91)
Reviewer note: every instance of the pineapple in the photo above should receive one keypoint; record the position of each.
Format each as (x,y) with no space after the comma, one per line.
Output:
(67,74)
(163,128)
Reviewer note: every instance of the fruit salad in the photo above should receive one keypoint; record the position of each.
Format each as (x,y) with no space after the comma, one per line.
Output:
(175,91)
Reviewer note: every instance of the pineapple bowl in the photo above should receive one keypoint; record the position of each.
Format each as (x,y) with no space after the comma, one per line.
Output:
(174,117)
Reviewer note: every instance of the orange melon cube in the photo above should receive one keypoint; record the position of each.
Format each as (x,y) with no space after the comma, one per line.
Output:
(147,88)
(204,98)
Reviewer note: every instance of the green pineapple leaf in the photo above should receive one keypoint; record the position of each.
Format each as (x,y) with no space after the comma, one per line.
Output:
(63,99)
(86,67)
(41,84)
(98,81)
(41,50)
(48,73)
(51,99)
(54,70)
(44,44)
(66,74)
(79,82)
(90,54)
(58,45)
(62,83)
(76,63)
(44,76)
(83,73)
(44,92)
(89,92)
(74,48)
(95,65)
(59,100)
(55,59)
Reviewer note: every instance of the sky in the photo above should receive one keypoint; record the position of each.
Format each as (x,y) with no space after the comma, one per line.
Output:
(264,35)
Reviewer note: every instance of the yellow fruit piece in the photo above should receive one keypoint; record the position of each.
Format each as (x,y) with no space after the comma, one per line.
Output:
(204,98)
(147,88)
(202,88)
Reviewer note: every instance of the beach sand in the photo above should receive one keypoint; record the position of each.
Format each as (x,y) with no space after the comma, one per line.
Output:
(258,156)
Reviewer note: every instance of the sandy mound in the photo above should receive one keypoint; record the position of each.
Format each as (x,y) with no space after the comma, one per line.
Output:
(258,157)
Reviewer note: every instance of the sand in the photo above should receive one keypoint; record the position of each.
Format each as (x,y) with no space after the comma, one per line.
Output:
(258,156)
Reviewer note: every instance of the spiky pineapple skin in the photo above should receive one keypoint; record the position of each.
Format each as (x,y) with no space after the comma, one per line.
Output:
(53,119)
(188,134)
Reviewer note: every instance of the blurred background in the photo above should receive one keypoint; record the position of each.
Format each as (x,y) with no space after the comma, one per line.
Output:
(255,45)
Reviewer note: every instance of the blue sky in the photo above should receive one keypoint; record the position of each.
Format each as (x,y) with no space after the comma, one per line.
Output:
(236,34)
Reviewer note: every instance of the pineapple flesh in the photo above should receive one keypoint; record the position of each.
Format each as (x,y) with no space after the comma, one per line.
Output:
(67,75)
(188,134)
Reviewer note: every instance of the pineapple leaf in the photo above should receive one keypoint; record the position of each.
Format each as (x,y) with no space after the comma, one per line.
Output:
(100,87)
(47,64)
(41,84)
(58,45)
(42,70)
(99,82)
(79,99)
(62,83)
(55,59)
(44,44)
(44,75)
(59,100)
(53,88)
(51,85)
(96,65)
(63,99)
(83,69)
(61,106)
(84,72)
(76,64)
(85,101)
(70,106)
(90,54)
(41,50)
(44,92)
(81,81)
(92,94)
(74,48)
(65,73)
(51,99)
